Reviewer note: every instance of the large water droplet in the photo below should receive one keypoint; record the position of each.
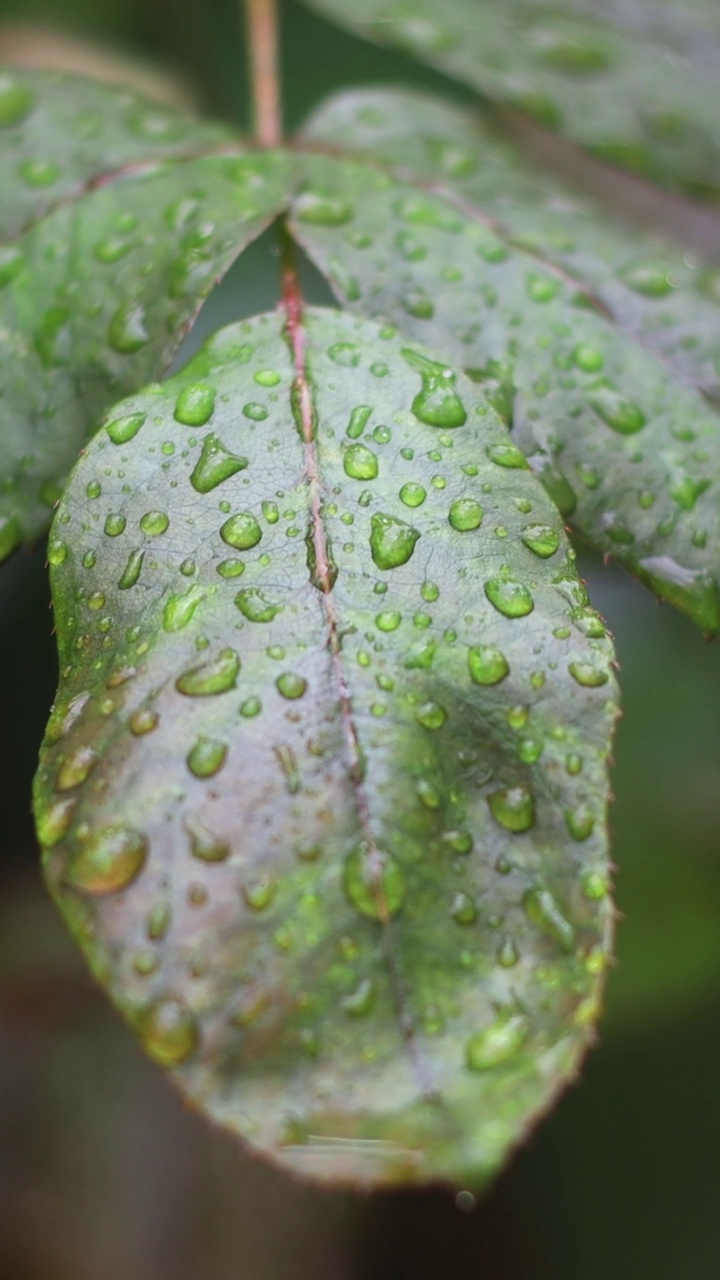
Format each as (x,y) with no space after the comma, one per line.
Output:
(109,860)
(465,514)
(168,1032)
(206,757)
(241,531)
(392,541)
(127,332)
(291,685)
(513,808)
(616,410)
(255,605)
(54,822)
(412,494)
(217,676)
(180,608)
(195,405)
(498,1043)
(204,845)
(487,665)
(541,538)
(215,464)
(374,883)
(321,210)
(360,463)
(509,597)
(438,403)
(542,909)
(16,101)
(587,674)
(76,769)
(121,430)
(431,715)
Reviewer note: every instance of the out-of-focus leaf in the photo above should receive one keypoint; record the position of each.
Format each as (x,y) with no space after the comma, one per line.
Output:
(629,453)
(636,84)
(113,231)
(669,300)
(323,794)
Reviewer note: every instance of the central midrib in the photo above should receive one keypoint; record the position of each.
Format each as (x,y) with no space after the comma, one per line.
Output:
(323,578)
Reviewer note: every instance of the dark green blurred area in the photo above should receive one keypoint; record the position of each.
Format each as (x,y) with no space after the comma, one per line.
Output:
(103,1174)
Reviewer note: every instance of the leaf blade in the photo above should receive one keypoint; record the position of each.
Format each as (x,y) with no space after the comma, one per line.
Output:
(298,965)
(589,76)
(576,393)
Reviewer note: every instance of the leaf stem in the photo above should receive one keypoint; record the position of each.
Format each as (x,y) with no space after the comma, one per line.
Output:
(262,30)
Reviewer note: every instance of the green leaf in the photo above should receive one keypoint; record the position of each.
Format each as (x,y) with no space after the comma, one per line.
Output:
(628,452)
(323,794)
(639,86)
(103,269)
(667,299)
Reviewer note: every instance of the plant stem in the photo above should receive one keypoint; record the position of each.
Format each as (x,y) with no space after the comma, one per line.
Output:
(262,30)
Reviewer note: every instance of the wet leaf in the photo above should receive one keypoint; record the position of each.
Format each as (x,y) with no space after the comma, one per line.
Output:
(628,452)
(666,298)
(323,794)
(638,85)
(114,229)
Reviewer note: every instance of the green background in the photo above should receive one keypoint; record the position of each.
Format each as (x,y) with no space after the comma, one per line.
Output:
(102,1171)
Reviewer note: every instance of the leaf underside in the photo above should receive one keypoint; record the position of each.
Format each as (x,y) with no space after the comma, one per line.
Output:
(635,84)
(323,794)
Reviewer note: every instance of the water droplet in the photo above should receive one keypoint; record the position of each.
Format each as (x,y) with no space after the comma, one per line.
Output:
(431,715)
(250,708)
(39,173)
(132,570)
(267,377)
(345,354)
(215,464)
(16,101)
(388,620)
(54,822)
(463,909)
(542,288)
(513,808)
(542,909)
(458,841)
(168,1032)
(217,676)
(255,412)
(241,531)
(121,430)
(110,860)
(126,331)
(153,523)
(541,538)
(580,821)
(360,463)
(179,609)
(291,685)
(438,403)
(270,512)
(195,405)
(487,665)
(144,720)
(587,674)
(616,410)
(647,279)
(686,491)
(374,883)
(588,359)
(361,1000)
(595,886)
(57,552)
(392,541)
(419,304)
(259,894)
(509,597)
(507,455)
(255,605)
(76,768)
(114,525)
(11,264)
(358,421)
(465,514)
(507,954)
(206,757)
(413,495)
(321,210)
(230,568)
(498,1043)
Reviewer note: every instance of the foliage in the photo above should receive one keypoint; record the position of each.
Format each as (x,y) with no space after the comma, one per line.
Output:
(323,794)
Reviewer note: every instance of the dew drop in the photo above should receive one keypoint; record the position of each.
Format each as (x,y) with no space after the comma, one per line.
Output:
(374,883)
(168,1032)
(412,494)
(126,331)
(259,894)
(360,463)
(206,757)
(217,676)
(144,720)
(465,514)
(121,430)
(542,539)
(513,808)
(133,568)
(215,464)
(509,597)
(392,541)
(497,1044)
(437,404)
(180,608)
(507,455)
(463,909)
(291,685)
(322,211)
(110,860)
(255,605)
(587,674)
(487,665)
(76,769)
(16,101)
(616,410)
(542,909)
(195,405)
(241,531)
(431,715)
(54,821)
(580,821)
(361,1000)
